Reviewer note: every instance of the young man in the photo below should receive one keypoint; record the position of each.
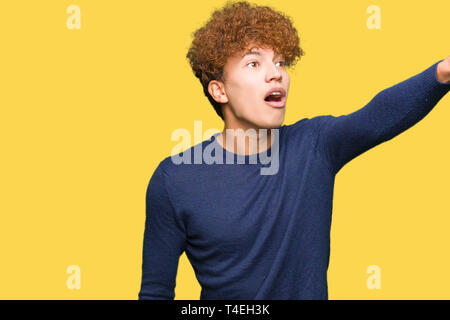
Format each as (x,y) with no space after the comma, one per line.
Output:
(246,234)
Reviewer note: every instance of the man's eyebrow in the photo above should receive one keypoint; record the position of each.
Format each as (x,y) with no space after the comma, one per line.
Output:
(251,53)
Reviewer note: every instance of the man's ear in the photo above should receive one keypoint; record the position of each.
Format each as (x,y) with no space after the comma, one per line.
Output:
(217,91)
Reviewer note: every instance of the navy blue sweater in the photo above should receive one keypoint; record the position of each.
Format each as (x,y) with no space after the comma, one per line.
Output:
(254,236)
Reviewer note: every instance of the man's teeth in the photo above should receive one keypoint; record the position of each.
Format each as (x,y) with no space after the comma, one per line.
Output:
(276,94)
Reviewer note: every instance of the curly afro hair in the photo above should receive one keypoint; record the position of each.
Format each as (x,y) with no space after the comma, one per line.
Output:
(231,30)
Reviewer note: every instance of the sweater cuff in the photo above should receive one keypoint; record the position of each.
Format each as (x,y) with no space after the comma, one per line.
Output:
(428,82)
(434,67)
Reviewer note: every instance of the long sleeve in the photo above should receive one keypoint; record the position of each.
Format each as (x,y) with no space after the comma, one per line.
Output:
(164,241)
(390,112)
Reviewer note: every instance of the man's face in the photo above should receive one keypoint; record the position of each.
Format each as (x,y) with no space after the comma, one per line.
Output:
(249,77)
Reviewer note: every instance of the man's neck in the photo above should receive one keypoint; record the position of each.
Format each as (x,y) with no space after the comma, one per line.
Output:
(245,141)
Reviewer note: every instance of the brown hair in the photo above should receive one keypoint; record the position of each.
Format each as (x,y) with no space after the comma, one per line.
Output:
(231,30)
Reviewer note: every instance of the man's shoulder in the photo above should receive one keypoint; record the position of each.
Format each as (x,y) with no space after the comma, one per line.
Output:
(184,161)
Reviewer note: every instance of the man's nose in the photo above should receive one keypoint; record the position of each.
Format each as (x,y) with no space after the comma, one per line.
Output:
(274,74)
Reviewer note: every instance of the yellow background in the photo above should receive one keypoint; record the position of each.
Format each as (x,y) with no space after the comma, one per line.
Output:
(86,116)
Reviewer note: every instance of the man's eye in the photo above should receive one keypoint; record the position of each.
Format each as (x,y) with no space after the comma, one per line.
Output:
(283,63)
(253,62)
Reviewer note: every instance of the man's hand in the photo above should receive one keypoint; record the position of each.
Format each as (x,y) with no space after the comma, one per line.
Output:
(443,70)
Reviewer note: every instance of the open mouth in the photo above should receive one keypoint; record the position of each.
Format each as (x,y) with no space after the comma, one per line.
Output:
(276,98)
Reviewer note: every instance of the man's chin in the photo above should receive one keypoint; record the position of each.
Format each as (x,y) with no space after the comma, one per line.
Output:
(264,120)
(273,122)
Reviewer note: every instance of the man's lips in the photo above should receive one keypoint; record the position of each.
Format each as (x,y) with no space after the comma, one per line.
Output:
(277,100)
(275,89)
(277,104)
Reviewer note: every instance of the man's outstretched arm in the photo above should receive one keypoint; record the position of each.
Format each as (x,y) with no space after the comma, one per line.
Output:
(390,112)
(164,242)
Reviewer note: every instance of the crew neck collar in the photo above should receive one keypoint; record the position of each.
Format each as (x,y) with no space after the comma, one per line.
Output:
(265,153)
